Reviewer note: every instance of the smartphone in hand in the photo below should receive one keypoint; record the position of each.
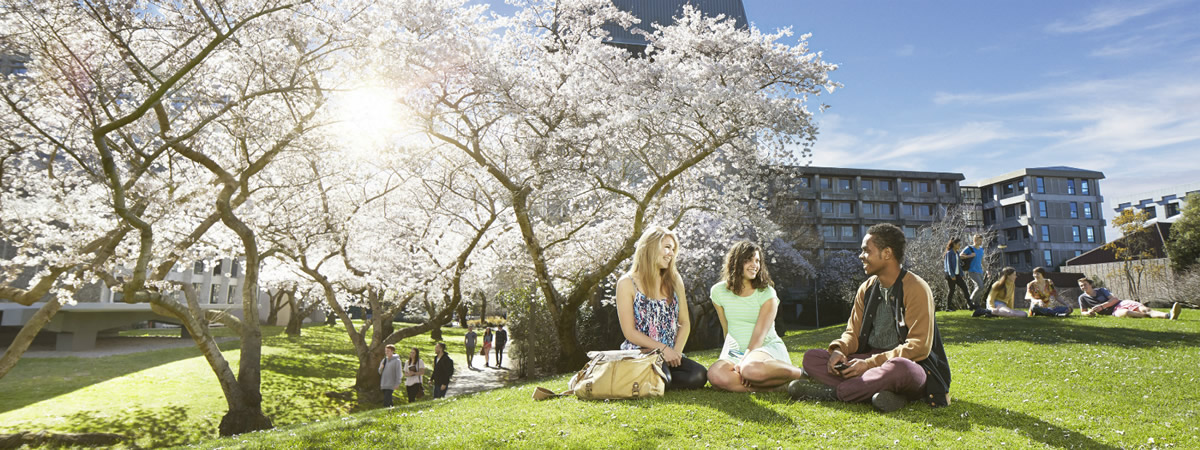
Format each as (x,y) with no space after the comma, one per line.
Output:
(841,366)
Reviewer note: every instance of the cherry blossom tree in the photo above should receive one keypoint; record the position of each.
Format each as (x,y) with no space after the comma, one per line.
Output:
(169,111)
(589,143)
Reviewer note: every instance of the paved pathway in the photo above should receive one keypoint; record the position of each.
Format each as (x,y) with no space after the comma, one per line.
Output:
(480,378)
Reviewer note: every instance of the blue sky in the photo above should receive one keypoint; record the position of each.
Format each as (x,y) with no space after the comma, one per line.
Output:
(985,88)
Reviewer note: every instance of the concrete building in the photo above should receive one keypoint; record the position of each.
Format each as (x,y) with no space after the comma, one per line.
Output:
(99,311)
(1044,215)
(663,12)
(843,203)
(1163,205)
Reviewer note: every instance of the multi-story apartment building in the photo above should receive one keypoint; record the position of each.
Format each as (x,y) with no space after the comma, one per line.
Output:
(843,203)
(1163,205)
(1044,215)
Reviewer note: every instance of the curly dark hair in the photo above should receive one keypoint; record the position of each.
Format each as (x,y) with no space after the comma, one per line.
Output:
(737,257)
(886,235)
(951,244)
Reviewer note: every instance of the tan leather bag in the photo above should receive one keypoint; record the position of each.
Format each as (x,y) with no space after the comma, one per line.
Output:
(618,374)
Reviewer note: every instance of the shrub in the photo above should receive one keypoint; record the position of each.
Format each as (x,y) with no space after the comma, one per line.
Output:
(535,348)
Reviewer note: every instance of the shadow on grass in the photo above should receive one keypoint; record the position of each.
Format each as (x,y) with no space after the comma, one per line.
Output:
(963,415)
(149,428)
(742,407)
(38,379)
(964,330)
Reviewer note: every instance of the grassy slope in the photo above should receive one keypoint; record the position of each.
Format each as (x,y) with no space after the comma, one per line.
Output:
(1090,383)
(171,397)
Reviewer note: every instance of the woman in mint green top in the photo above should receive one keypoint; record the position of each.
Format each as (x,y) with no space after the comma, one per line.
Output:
(753,357)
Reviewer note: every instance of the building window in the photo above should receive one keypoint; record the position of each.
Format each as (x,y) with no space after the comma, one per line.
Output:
(826,207)
(1045,233)
(805,206)
(1091,234)
(885,185)
(907,209)
(1074,210)
(866,185)
(1042,209)
(843,184)
(887,209)
(946,186)
(1075,233)
(217,267)
(1083,187)
(1010,211)
(1151,212)
(845,208)
(923,187)
(905,186)
(826,183)
(1011,235)
(214,293)
(198,268)
(926,210)
(803,182)
(1087,210)
(828,232)
(1071,186)
(1014,259)
(1046,255)
(1041,185)
(233,267)
(1008,188)
(910,232)
(1078,252)
(232,294)
(1172,209)
(848,231)
(868,209)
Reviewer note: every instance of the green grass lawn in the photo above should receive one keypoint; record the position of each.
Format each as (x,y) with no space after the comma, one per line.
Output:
(171,397)
(1076,383)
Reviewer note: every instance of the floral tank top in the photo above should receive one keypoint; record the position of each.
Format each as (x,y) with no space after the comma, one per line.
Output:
(658,319)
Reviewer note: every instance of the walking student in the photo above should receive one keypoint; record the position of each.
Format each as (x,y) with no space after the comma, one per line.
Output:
(443,370)
(952,269)
(487,346)
(469,342)
(389,374)
(501,341)
(974,255)
(413,371)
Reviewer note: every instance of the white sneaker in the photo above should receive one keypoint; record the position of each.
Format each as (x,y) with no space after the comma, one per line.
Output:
(1175,310)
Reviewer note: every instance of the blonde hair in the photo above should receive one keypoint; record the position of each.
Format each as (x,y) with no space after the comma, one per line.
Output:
(646,253)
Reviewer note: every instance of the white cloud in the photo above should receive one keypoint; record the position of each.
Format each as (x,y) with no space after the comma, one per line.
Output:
(1104,17)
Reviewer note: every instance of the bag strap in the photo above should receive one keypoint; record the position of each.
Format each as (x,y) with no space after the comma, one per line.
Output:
(541,393)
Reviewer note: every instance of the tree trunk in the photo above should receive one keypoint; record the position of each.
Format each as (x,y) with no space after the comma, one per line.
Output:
(25,336)
(436,333)
(293,326)
(366,381)
(570,354)
(462,315)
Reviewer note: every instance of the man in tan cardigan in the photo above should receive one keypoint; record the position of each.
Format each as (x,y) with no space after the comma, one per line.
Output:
(891,351)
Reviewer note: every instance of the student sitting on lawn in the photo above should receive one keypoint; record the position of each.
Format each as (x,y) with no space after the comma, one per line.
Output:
(891,351)
(1003,293)
(1042,297)
(753,357)
(1095,301)
(652,307)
